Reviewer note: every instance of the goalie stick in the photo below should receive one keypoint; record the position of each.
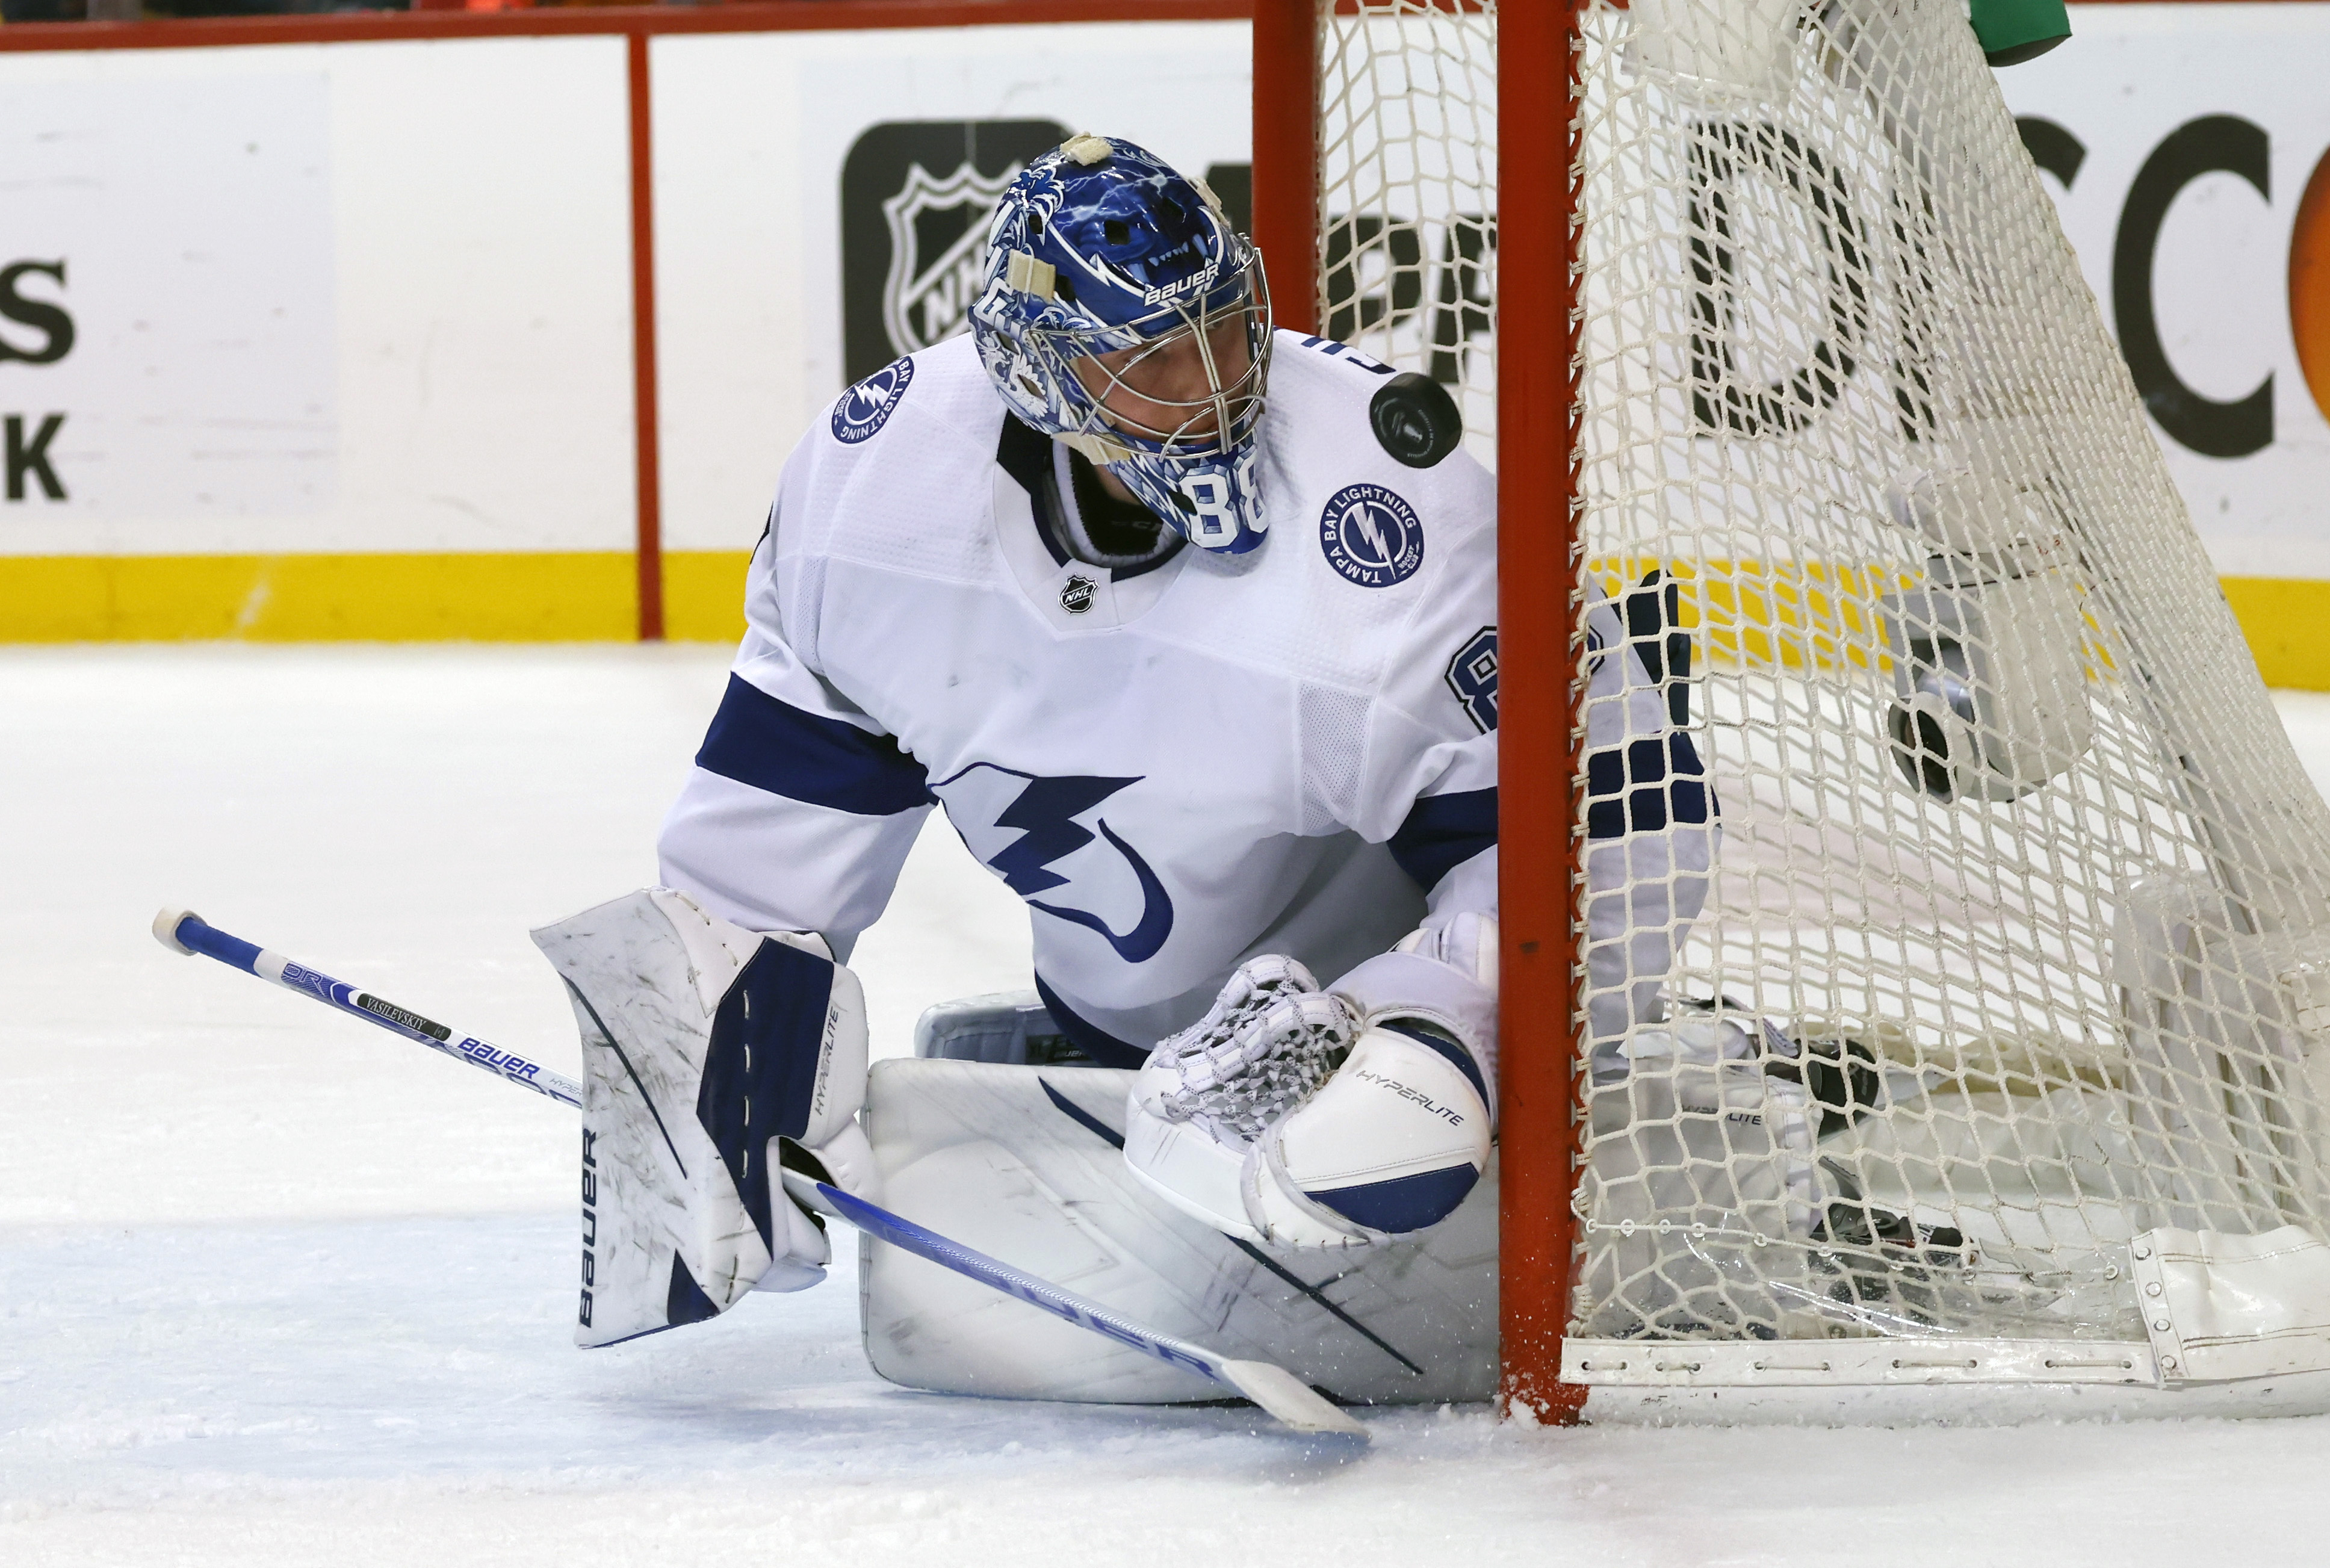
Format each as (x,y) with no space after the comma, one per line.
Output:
(185,932)
(1277,1391)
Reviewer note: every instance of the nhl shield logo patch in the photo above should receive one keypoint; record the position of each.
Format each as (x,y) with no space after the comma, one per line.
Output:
(866,408)
(1371,535)
(1077,595)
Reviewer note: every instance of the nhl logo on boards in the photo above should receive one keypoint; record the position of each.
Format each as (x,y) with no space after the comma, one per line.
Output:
(1371,535)
(927,298)
(915,198)
(1077,595)
(866,408)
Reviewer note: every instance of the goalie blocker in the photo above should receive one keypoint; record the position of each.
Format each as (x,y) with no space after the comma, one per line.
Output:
(703,1044)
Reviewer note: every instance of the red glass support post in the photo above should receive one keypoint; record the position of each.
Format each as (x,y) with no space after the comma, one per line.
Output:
(1539,732)
(648,462)
(1286,155)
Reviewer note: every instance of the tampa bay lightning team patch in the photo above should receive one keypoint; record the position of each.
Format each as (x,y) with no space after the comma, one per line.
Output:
(866,408)
(1371,535)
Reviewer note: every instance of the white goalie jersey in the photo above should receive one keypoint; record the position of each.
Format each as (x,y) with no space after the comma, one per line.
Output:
(1178,766)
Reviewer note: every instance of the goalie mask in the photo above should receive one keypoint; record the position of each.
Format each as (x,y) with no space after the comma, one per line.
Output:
(1119,313)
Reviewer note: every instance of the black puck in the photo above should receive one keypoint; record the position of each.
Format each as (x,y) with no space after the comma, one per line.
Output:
(1415,419)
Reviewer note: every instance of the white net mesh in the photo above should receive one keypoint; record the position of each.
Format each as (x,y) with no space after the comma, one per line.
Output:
(2001,936)
(1409,194)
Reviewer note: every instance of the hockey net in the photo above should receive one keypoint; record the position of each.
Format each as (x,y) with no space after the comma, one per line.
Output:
(2006,975)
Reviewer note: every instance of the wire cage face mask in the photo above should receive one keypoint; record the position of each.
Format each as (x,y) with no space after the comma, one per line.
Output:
(1119,314)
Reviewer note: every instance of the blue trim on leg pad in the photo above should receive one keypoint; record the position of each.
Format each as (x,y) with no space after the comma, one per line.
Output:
(685,1302)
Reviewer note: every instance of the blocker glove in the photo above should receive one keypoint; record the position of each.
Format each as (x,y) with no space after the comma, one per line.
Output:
(705,1046)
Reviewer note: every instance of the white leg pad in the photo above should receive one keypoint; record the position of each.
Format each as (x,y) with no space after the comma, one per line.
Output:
(984,1153)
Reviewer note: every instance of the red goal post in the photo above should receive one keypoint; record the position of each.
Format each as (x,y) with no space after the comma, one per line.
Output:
(1535,333)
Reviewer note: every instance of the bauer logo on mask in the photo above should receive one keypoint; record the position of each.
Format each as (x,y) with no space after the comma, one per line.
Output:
(1371,535)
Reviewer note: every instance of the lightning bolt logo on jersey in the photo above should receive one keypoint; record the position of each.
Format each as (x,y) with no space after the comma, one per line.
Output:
(866,408)
(1033,840)
(1371,535)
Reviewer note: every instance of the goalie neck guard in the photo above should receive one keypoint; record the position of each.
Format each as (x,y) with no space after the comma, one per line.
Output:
(1121,315)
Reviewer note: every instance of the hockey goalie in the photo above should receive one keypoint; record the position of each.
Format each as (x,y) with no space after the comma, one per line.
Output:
(1189,626)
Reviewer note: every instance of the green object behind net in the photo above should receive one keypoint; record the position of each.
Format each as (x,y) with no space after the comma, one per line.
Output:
(2015,31)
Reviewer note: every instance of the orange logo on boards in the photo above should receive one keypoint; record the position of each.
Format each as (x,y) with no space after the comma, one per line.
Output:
(2309,285)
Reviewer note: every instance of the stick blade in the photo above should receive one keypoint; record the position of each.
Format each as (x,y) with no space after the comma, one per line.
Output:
(1288,1398)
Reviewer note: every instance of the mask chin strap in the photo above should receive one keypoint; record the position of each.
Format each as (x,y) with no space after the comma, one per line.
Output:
(1096,447)
(1101,530)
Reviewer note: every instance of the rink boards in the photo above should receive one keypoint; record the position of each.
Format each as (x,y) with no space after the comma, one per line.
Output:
(381,376)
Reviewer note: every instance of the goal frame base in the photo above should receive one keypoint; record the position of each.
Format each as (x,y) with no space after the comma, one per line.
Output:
(1907,1383)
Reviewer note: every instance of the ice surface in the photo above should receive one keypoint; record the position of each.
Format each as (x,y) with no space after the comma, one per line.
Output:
(276,1288)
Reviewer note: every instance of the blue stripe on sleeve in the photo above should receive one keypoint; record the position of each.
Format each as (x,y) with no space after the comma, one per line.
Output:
(1443,832)
(772,745)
